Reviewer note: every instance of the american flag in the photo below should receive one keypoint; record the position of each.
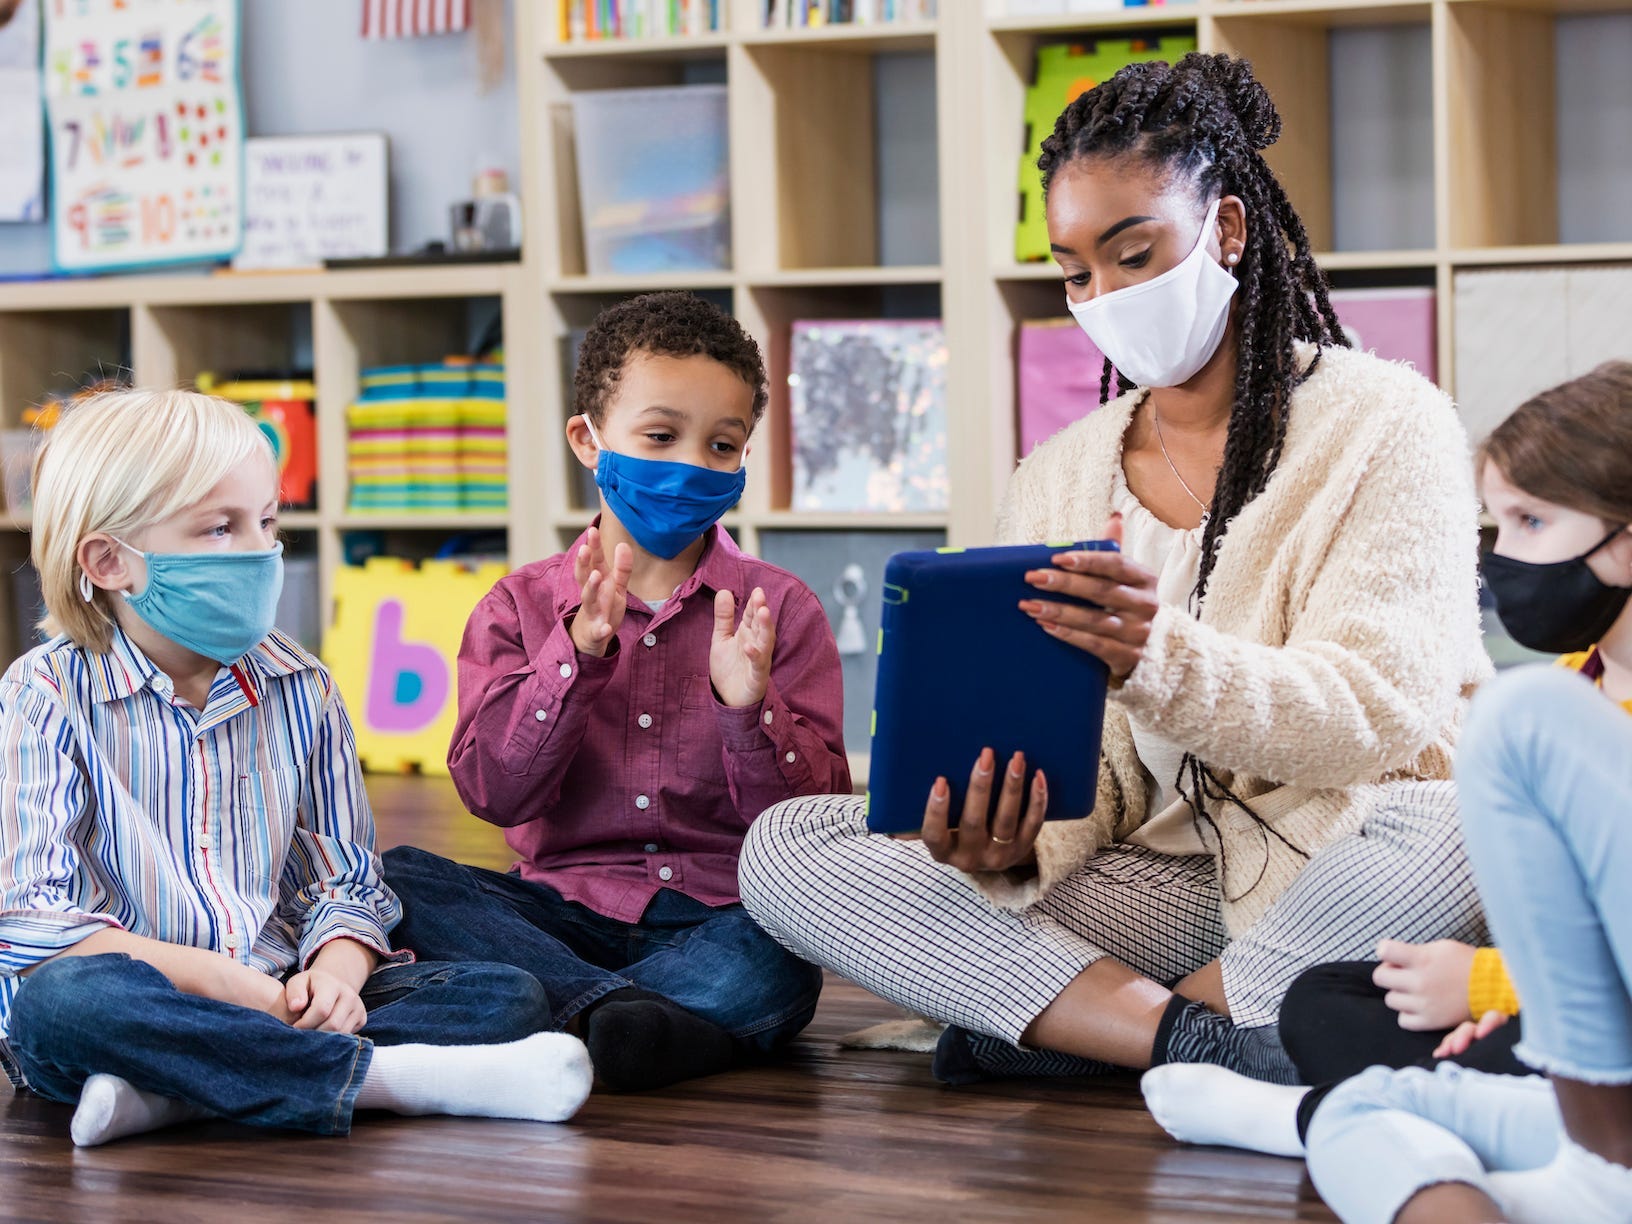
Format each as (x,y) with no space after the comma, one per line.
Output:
(408,18)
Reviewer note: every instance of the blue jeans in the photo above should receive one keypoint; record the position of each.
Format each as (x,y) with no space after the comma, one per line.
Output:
(79,1016)
(715,963)
(1545,769)
(1545,773)
(1384,1136)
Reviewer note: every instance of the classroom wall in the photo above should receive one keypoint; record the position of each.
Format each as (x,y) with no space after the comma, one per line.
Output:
(307,69)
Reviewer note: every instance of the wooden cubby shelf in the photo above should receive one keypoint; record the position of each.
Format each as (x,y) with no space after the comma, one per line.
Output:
(1407,146)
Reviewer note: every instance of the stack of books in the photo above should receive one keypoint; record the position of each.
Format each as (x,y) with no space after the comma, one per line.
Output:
(805,14)
(428,439)
(597,20)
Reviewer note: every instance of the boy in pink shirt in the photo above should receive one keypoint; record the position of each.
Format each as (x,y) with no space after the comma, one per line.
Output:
(626,709)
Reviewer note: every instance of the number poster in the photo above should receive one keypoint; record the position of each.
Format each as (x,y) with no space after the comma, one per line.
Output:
(145,117)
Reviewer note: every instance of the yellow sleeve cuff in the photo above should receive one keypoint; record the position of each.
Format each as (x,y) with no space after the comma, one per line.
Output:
(1489,987)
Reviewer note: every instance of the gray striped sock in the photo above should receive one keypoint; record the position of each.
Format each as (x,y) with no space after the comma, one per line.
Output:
(966,1057)
(1190,1033)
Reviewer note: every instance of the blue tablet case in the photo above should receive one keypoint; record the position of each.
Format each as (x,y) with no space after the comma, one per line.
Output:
(961,668)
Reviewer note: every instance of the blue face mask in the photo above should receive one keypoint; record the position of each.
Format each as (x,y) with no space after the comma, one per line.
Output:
(666,506)
(216,604)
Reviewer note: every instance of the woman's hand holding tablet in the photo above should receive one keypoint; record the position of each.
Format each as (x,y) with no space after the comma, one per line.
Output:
(987,838)
(962,674)
(1125,592)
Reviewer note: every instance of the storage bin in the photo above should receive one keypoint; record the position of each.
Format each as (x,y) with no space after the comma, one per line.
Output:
(1397,324)
(653,179)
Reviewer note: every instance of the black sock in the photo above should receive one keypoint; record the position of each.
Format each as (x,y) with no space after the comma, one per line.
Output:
(640,1040)
(1189,1033)
(965,1057)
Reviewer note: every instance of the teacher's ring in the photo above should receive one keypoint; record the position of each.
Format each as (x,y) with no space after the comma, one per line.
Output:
(1003,841)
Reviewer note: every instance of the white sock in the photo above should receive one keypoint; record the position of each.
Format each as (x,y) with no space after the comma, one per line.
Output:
(542,1078)
(1201,1103)
(1578,1186)
(110,1108)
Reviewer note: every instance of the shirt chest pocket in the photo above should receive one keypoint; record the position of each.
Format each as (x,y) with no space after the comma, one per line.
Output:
(265,812)
(702,751)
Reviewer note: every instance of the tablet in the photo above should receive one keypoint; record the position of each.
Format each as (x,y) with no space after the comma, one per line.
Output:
(961,668)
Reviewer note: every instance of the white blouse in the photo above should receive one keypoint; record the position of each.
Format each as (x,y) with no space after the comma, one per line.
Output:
(1174,555)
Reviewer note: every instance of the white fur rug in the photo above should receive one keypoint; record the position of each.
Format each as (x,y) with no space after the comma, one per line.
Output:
(911,1033)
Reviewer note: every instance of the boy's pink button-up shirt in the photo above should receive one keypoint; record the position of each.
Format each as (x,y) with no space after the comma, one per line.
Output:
(619,776)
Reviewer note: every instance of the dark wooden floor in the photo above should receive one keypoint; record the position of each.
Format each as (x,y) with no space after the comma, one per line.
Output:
(831,1135)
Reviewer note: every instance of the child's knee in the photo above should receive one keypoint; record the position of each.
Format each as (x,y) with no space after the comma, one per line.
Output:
(74,990)
(410,862)
(782,844)
(514,1004)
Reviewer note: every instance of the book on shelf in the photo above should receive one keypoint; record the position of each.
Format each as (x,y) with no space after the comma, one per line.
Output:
(599,20)
(867,415)
(1061,8)
(1399,324)
(1058,372)
(1065,71)
(813,14)
(428,439)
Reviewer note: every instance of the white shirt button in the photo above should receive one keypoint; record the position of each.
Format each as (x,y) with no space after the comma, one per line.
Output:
(791,757)
(541,715)
(231,942)
(768,717)
(650,639)
(642,802)
(665,873)
(651,847)
(566,670)
(645,720)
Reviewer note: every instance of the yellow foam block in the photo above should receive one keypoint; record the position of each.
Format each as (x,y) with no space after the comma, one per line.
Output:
(393,648)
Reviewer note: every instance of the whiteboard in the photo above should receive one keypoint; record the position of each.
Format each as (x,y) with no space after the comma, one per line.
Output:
(145,118)
(311,198)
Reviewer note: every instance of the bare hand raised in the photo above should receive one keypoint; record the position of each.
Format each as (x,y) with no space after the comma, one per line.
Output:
(739,662)
(605,593)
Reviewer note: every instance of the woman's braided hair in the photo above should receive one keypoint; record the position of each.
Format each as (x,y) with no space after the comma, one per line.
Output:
(1207,119)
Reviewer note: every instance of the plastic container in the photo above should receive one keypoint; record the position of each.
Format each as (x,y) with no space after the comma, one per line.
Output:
(654,186)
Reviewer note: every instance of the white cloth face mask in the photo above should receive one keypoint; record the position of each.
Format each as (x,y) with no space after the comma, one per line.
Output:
(1160,332)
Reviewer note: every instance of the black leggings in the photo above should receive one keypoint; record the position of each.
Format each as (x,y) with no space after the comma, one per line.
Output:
(1334,1024)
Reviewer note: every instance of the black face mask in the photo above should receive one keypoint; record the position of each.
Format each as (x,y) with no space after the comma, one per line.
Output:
(1558,607)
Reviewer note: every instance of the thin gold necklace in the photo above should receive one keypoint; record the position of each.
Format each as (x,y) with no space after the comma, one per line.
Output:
(1206,512)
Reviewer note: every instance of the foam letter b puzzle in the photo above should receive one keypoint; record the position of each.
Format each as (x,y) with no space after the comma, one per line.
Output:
(393,648)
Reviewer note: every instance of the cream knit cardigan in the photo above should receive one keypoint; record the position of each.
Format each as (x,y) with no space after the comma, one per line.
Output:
(1338,643)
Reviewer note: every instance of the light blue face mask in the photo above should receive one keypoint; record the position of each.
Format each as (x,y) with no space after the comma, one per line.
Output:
(665,505)
(216,604)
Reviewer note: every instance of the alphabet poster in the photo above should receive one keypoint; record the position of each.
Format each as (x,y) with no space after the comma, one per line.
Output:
(145,119)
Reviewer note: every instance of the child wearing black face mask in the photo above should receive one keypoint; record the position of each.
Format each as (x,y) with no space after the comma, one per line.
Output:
(1545,784)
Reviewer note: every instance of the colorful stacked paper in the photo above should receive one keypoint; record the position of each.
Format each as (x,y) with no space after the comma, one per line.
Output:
(428,439)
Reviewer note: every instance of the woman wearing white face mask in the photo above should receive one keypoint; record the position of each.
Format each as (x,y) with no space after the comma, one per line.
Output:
(1292,626)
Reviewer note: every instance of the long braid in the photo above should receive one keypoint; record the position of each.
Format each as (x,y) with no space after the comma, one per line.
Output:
(1207,119)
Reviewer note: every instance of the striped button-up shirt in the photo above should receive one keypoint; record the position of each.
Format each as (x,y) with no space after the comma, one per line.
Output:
(242,827)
